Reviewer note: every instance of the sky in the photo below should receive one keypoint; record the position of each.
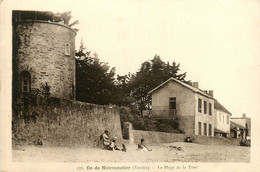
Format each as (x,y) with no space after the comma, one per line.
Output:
(217,42)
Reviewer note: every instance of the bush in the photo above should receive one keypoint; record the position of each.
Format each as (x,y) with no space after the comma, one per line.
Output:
(132,114)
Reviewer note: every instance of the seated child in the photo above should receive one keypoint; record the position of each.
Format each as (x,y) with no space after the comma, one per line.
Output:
(188,139)
(114,145)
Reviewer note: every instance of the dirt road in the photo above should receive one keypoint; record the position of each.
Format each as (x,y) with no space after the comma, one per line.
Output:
(190,152)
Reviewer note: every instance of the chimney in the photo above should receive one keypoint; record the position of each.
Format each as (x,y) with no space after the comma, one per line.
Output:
(195,84)
(205,91)
(244,115)
(211,93)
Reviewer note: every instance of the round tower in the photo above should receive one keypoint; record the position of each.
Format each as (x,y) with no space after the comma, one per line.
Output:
(43,52)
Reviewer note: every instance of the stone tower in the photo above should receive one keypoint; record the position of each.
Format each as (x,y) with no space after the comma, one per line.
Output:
(43,52)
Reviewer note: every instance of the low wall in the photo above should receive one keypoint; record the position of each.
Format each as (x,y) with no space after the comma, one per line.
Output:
(157,137)
(65,123)
(154,137)
(205,140)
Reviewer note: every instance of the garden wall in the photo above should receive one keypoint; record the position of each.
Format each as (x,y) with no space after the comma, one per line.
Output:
(65,123)
(157,137)
(134,136)
(154,137)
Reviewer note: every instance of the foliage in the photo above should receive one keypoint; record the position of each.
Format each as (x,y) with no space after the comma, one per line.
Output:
(95,79)
(168,125)
(122,94)
(66,17)
(151,74)
(132,114)
(33,98)
(96,83)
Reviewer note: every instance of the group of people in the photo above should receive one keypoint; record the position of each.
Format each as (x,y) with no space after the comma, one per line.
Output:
(110,144)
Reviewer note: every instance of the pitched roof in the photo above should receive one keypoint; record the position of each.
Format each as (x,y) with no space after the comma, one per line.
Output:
(237,125)
(241,118)
(196,90)
(218,106)
(219,131)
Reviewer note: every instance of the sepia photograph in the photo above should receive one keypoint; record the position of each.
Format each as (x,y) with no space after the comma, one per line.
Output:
(130,85)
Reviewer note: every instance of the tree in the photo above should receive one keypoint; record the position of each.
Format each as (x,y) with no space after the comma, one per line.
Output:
(96,82)
(151,74)
(122,92)
(95,79)
(66,17)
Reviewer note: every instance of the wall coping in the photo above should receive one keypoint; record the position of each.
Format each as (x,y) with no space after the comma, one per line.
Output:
(47,22)
(157,132)
(85,103)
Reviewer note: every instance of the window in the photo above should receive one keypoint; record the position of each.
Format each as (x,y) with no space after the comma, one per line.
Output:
(67,49)
(223,118)
(210,130)
(173,103)
(219,117)
(205,107)
(210,109)
(227,119)
(25,82)
(199,105)
(172,106)
(199,128)
(205,129)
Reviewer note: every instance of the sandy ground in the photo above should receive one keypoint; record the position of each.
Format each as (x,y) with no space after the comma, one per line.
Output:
(161,153)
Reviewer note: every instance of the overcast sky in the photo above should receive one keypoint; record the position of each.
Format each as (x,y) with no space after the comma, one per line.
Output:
(217,42)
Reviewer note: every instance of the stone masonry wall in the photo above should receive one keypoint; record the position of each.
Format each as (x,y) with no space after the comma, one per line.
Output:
(66,123)
(153,137)
(42,53)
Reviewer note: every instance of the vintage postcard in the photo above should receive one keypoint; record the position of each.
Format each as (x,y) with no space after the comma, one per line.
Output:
(130,85)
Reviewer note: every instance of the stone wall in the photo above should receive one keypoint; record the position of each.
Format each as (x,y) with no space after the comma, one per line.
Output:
(128,132)
(152,137)
(41,51)
(134,136)
(65,123)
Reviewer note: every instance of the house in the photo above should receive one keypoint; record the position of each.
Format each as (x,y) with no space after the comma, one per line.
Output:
(222,120)
(193,107)
(245,124)
(236,130)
